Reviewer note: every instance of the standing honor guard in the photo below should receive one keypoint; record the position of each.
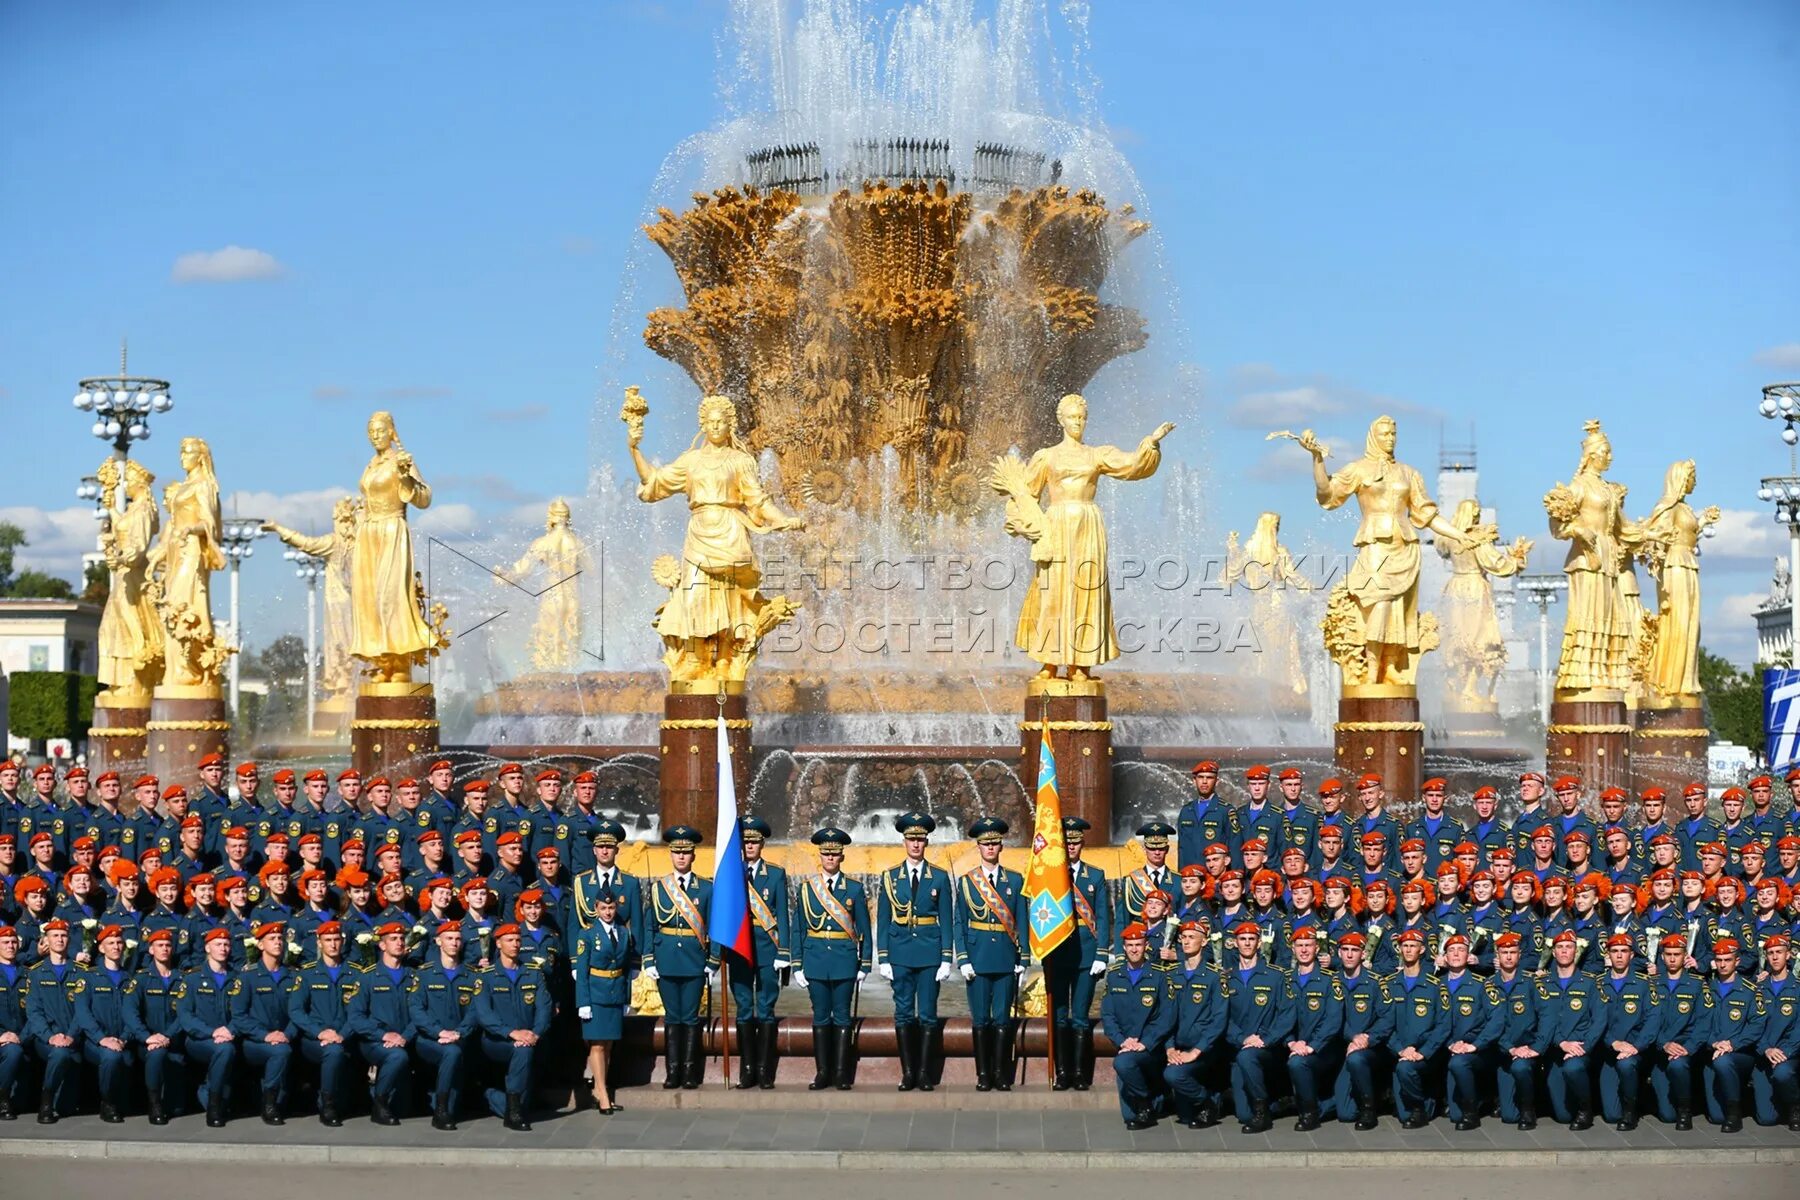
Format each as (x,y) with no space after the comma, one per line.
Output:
(606,875)
(755,984)
(678,956)
(831,927)
(914,946)
(1074,968)
(604,953)
(990,910)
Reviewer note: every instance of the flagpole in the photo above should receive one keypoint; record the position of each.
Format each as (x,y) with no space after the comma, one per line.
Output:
(725,1023)
(1050,996)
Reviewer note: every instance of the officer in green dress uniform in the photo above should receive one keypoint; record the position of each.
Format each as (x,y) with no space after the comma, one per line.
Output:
(914,946)
(605,874)
(829,936)
(990,920)
(1075,967)
(1156,875)
(755,984)
(512,1013)
(678,955)
(319,1008)
(1137,1017)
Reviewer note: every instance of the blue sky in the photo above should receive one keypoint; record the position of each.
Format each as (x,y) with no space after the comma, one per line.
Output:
(1510,217)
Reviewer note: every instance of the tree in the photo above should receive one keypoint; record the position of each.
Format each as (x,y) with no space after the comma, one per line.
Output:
(284,661)
(11,539)
(96,584)
(27,584)
(1734,700)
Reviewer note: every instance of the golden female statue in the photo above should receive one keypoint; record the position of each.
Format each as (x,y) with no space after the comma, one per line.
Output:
(715,616)
(556,638)
(131,634)
(1588,513)
(1474,652)
(181,566)
(1265,567)
(1373,626)
(1067,621)
(388,629)
(1672,536)
(336,549)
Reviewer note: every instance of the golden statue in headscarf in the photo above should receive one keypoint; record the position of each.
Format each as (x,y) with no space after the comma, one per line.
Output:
(715,617)
(338,675)
(1603,615)
(1474,652)
(180,568)
(556,638)
(1671,540)
(1066,620)
(390,629)
(1264,566)
(1373,627)
(131,633)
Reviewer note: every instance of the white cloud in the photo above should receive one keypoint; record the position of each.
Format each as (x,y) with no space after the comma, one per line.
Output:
(1785,357)
(56,538)
(233,264)
(1290,406)
(1740,609)
(1745,537)
(1285,462)
(308,511)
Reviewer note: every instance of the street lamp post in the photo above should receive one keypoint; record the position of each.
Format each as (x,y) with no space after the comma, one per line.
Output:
(311,568)
(1542,589)
(122,405)
(237,536)
(1781,402)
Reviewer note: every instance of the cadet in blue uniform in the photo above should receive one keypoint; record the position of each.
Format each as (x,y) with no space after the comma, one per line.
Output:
(830,931)
(13,1044)
(1299,824)
(1436,828)
(1476,1018)
(915,946)
(990,915)
(1776,1083)
(1316,1047)
(1570,1022)
(1135,1014)
(52,988)
(1368,1023)
(1516,1080)
(1259,1019)
(1260,817)
(604,953)
(381,1022)
(677,954)
(204,1015)
(1686,1004)
(319,1008)
(1074,968)
(1696,829)
(576,829)
(1195,1023)
(1738,1016)
(512,1011)
(1204,820)
(442,1009)
(1421,1030)
(153,1022)
(1630,1023)
(259,1015)
(100,1007)
(755,984)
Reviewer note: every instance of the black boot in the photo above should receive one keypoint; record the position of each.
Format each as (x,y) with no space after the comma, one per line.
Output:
(1469,1120)
(515,1113)
(984,1060)
(695,1059)
(749,1046)
(766,1033)
(1527,1117)
(1584,1121)
(1309,1121)
(846,1060)
(271,1107)
(1003,1058)
(672,1054)
(441,1116)
(46,1109)
(1064,1050)
(929,1038)
(823,1045)
(1734,1119)
(1628,1117)
(109,1112)
(6,1108)
(1418,1120)
(905,1041)
(1366,1118)
(1082,1037)
(215,1109)
(379,1112)
(1141,1119)
(1684,1117)
(154,1109)
(328,1113)
(1259,1118)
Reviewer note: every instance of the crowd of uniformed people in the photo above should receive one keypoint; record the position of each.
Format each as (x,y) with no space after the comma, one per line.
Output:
(377,938)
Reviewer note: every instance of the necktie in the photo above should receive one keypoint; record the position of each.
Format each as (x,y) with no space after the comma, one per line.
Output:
(915,879)
(612,939)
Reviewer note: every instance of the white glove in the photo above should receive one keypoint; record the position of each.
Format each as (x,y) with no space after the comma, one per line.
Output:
(799,978)
(572,974)
(968,972)
(886,971)
(712,977)
(943,973)
(1098,969)
(650,970)
(1019,970)
(782,964)
(860,976)
(585,1013)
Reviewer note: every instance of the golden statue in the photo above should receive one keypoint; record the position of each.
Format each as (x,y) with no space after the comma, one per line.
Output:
(131,633)
(1672,537)
(1373,627)
(336,549)
(389,626)
(180,568)
(1474,652)
(1265,567)
(556,638)
(1067,621)
(1603,616)
(715,617)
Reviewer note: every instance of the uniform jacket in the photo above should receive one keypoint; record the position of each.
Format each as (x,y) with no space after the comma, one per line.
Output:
(101,1003)
(669,941)
(982,940)
(50,1002)
(259,1002)
(319,1002)
(1421,1014)
(1475,1013)
(382,1004)
(156,1003)
(440,1002)
(1631,1014)
(519,1000)
(822,947)
(1195,1001)
(1569,1010)
(1686,1007)
(1738,1014)
(1201,823)
(603,966)
(1136,1008)
(204,1004)
(1261,1003)
(1318,1007)
(914,928)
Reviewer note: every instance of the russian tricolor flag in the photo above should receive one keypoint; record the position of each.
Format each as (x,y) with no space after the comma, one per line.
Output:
(729,920)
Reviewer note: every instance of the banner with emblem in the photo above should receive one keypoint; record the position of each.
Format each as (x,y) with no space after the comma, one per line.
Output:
(1049,906)
(1781,717)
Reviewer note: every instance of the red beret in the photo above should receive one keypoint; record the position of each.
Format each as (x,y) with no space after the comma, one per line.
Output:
(1618,941)
(211,760)
(511,768)
(389,927)
(285,775)
(247,768)
(1506,941)
(442,764)
(1725,946)
(1331,787)
(1134,932)
(501,931)
(1486,792)
(1694,791)
(1410,935)
(350,773)
(216,934)
(145,781)
(1368,780)
(1259,771)
(160,935)
(509,838)
(1567,783)
(316,775)
(586,777)
(267,927)
(1352,939)
(1434,784)
(548,773)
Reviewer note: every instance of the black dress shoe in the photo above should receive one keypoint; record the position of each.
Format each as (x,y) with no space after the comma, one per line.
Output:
(1733,1122)
(110,1114)
(1366,1119)
(1467,1123)
(1418,1120)
(1141,1121)
(155,1112)
(46,1113)
(441,1117)
(1527,1120)
(1627,1122)
(1308,1122)
(1583,1122)
(1684,1119)
(328,1115)
(380,1113)
(6,1110)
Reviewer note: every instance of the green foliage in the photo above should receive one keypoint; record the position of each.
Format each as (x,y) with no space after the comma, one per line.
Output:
(1733,701)
(27,584)
(96,584)
(50,704)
